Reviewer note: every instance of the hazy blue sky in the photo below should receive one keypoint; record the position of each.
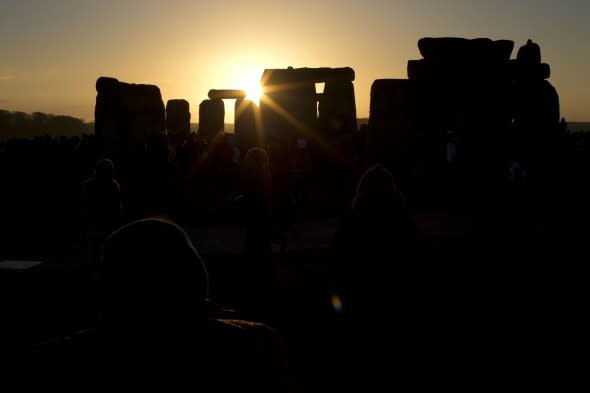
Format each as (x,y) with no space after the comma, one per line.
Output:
(52,52)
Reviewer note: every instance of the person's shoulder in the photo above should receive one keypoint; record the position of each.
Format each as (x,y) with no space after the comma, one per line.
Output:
(245,336)
(243,329)
(88,184)
(254,351)
(76,353)
(81,340)
(115,185)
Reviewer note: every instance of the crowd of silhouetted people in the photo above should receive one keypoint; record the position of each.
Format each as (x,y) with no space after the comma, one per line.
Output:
(390,319)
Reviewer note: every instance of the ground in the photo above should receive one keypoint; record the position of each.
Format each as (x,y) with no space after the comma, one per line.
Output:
(520,277)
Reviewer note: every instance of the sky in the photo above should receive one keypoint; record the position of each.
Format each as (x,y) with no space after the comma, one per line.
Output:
(52,51)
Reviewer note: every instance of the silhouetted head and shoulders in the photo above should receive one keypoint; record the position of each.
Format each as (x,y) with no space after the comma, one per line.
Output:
(101,186)
(256,170)
(101,202)
(376,246)
(377,192)
(104,172)
(155,317)
(256,197)
(378,211)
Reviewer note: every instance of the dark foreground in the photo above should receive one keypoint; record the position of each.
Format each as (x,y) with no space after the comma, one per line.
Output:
(508,300)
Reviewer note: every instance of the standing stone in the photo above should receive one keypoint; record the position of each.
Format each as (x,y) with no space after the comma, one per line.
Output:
(289,107)
(536,111)
(178,121)
(246,126)
(211,118)
(337,109)
(389,139)
(462,86)
(127,115)
(529,54)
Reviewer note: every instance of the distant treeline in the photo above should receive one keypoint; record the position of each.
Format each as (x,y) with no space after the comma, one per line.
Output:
(578,126)
(30,125)
(25,125)
(14,124)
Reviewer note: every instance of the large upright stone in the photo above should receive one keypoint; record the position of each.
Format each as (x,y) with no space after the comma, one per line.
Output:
(536,110)
(462,87)
(246,126)
(527,66)
(289,108)
(178,120)
(289,115)
(389,139)
(211,118)
(536,100)
(530,53)
(337,108)
(289,105)
(127,114)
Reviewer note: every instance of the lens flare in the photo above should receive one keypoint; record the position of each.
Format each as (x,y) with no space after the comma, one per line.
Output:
(336,303)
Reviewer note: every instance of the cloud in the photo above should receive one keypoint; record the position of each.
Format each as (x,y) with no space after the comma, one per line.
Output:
(6,77)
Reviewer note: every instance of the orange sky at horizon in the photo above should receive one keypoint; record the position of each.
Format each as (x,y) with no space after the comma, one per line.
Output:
(51,53)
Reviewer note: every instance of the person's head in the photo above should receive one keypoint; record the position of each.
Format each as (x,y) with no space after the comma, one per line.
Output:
(257,167)
(150,273)
(104,169)
(256,160)
(375,187)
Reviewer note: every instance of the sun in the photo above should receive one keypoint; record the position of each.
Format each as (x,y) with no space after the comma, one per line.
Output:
(253,91)
(250,82)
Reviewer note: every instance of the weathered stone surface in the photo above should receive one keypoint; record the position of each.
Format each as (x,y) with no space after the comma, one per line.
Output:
(226,94)
(127,114)
(534,71)
(289,108)
(305,75)
(211,118)
(455,49)
(536,111)
(459,70)
(337,109)
(536,106)
(530,53)
(389,133)
(492,106)
(246,124)
(178,120)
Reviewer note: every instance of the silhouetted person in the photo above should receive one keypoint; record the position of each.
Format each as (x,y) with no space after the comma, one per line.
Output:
(101,206)
(284,202)
(157,325)
(376,237)
(375,254)
(302,169)
(256,204)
